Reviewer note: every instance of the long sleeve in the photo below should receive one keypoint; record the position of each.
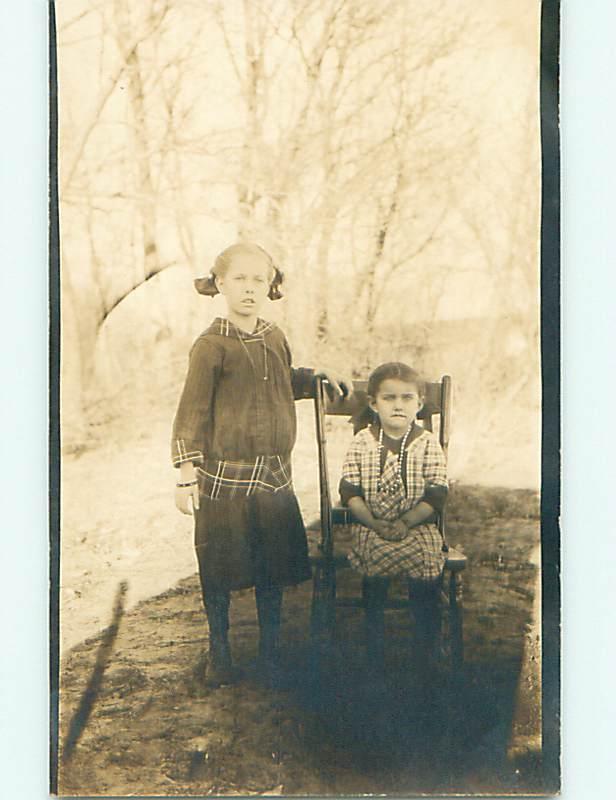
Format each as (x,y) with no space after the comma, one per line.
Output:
(194,409)
(302,378)
(435,476)
(302,382)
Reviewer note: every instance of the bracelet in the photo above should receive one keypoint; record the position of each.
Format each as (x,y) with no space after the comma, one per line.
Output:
(184,485)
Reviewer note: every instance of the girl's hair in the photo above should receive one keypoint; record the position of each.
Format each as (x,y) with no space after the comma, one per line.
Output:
(207,286)
(392,369)
(395,369)
(225,259)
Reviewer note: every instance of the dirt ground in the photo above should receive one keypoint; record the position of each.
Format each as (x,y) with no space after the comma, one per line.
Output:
(154,729)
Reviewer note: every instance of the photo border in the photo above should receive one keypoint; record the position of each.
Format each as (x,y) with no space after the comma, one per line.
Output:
(550,277)
(550,382)
(54,442)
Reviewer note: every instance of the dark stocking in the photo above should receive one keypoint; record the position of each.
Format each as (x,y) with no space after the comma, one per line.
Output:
(424,597)
(269,608)
(216,602)
(374,595)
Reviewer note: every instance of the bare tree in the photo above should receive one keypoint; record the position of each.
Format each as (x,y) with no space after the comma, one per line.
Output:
(121,162)
(355,84)
(329,130)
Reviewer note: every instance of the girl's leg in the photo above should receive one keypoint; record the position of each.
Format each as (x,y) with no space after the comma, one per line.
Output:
(424,597)
(269,609)
(216,601)
(374,595)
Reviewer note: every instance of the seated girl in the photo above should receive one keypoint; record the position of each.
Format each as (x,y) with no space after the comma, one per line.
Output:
(394,481)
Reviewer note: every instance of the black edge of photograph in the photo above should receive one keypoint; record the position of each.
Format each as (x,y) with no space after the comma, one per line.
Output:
(304,438)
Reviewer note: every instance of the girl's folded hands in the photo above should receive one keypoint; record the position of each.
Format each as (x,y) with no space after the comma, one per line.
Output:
(391,531)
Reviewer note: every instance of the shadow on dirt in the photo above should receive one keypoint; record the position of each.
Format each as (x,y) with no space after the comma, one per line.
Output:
(155,730)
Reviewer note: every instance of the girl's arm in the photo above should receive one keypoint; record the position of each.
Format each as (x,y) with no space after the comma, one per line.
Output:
(436,487)
(302,379)
(341,384)
(187,488)
(363,515)
(417,515)
(192,415)
(352,495)
(391,531)
(190,421)
(350,488)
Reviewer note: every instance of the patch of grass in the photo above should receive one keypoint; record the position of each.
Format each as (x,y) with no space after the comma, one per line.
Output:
(486,502)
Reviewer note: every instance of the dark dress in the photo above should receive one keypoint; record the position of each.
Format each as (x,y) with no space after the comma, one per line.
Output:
(236,422)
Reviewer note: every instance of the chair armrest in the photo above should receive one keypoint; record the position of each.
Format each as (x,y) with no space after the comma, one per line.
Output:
(456,561)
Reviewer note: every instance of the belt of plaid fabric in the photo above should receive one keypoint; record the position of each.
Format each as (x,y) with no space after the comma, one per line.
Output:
(224,479)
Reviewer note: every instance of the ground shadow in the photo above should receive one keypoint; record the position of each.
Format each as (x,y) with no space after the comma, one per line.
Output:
(155,730)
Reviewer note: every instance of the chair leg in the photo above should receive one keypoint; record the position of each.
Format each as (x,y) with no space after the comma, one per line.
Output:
(454,707)
(455,621)
(316,611)
(322,622)
(323,610)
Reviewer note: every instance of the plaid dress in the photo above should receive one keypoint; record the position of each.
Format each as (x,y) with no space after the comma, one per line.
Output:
(371,474)
(236,422)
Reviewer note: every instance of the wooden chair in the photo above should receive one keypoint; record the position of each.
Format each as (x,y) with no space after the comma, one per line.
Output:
(327,558)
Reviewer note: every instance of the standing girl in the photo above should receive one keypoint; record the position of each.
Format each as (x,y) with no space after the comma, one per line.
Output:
(394,481)
(233,434)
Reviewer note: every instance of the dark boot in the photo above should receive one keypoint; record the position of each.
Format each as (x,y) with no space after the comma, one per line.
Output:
(219,669)
(374,595)
(269,611)
(424,597)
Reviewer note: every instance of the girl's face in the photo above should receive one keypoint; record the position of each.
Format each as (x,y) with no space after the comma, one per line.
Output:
(245,284)
(397,403)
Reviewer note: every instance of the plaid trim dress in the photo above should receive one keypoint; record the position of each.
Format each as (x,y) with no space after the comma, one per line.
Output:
(236,422)
(365,475)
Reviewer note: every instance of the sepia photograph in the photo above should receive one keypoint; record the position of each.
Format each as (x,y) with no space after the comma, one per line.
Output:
(304,290)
